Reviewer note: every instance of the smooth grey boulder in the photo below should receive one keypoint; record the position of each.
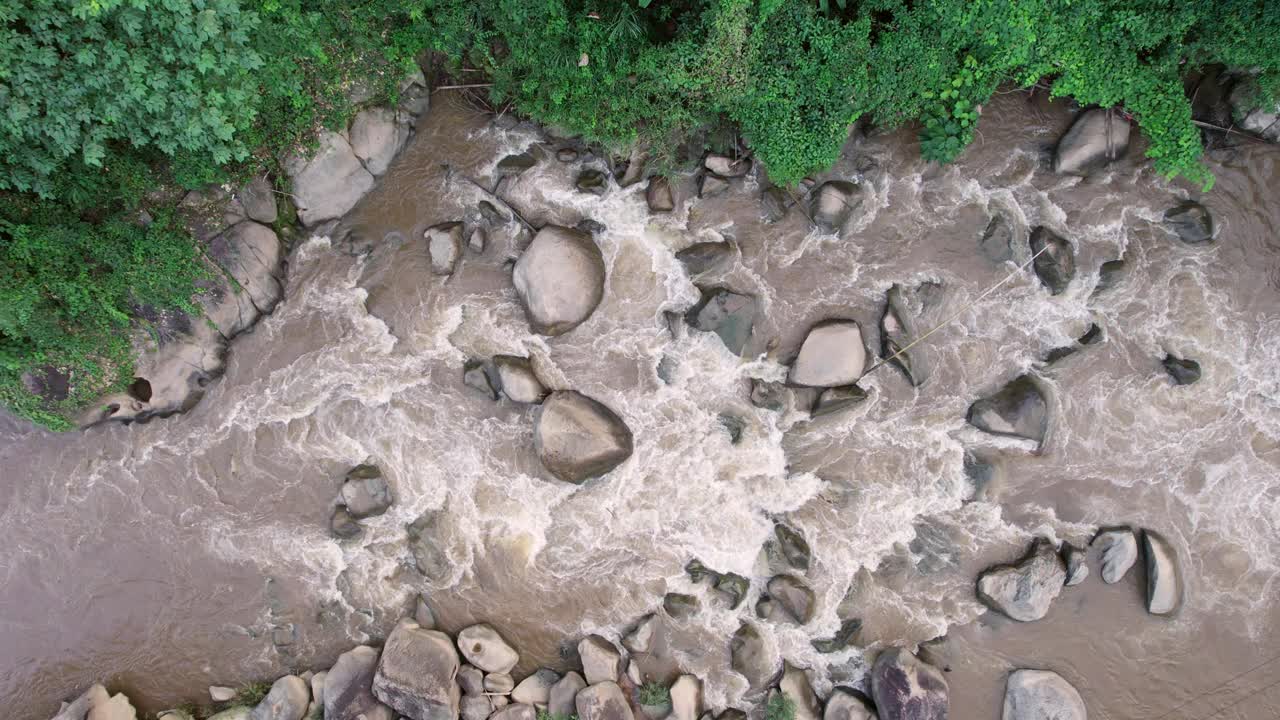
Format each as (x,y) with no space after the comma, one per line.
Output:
(328,184)
(561,699)
(343,525)
(377,134)
(1024,590)
(1096,138)
(793,597)
(774,204)
(641,637)
(512,165)
(1183,371)
(593,182)
(793,547)
(832,400)
(517,379)
(417,675)
(1017,410)
(287,700)
(603,701)
(484,648)
(832,355)
(365,492)
(832,203)
(1041,695)
(471,680)
(906,688)
(560,279)
(499,683)
(221,693)
(727,314)
(705,257)
(476,375)
(846,704)
(601,661)
(727,167)
(1191,222)
(259,200)
(348,687)
(444,244)
(996,242)
(536,689)
(475,707)
(1055,262)
(1119,551)
(578,438)
(752,658)
(686,698)
(516,711)
(1164,574)
(795,686)
(658,195)
(1073,558)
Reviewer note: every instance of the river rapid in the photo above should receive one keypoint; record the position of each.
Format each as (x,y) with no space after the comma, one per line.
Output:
(194,550)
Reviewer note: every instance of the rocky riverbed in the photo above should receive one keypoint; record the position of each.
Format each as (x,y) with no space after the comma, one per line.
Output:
(676,435)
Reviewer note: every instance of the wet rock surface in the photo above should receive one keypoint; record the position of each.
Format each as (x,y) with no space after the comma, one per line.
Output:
(832,204)
(560,279)
(578,438)
(1018,409)
(1191,222)
(833,354)
(1041,695)
(1164,574)
(1183,371)
(727,314)
(1055,262)
(1096,138)
(906,688)
(1024,590)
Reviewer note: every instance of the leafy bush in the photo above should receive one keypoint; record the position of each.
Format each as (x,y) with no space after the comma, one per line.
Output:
(779,707)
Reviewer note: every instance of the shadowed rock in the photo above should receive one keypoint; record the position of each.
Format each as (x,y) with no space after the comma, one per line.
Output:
(484,648)
(1057,264)
(793,597)
(658,195)
(1041,695)
(560,279)
(768,395)
(476,376)
(705,256)
(1095,139)
(476,707)
(515,164)
(517,379)
(832,355)
(726,166)
(348,687)
(906,688)
(578,438)
(833,400)
(711,185)
(1164,575)
(843,638)
(1191,222)
(774,204)
(1016,410)
(1073,558)
(560,701)
(750,657)
(832,204)
(1110,274)
(846,704)
(1119,550)
(996,243)
(1183,372)
(1025,589)
(342,525)
(725,313)
(417,675)
(792,545)
(593,182)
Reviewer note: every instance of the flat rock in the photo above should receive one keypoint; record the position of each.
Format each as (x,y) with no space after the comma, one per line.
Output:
(796,688)
(499,683)
(906,688)
(658,195)
(560,279)
(832,355)
(1073,558)
(562,698)
(348,687)
(727,314)
(832,204)
(1183,371)
(1041,695)
(1056,265)
(517,379)
(578,438)
(793,597)
(477,376)
(343,525)
(705,257)
(417,675)
(1024,590)
(686,698)
(846,704)
(601,661)
(377,134)
(287,700)
(752,658)
(1095,139)
(484,648)
(536,689)
(641,637)
(365,492)
(444,244)
(328,184)
(603,701)
(1016,410)
(1164,574)
(1191,222)
(1119,551)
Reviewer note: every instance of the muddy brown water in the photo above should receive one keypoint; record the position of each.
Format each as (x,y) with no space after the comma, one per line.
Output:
(165,557)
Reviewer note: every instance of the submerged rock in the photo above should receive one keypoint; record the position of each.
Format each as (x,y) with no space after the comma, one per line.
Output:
(1073,558)
(1016,410)
(1119,550)
(793,597)
(996,242)
(342,525)
(1097,138)
(477,377)
(1110,274)
(768,395)
(484,648)
(844,637)
(752,658)
(705,257)
(1183,372)
(1056,265)
(1191,222)
(833,400)
(444,243)
(774,204)
(603,701)
(679,606)
(795,687)
(832,204)
(560,701)
(792,545)
(517,379)
(287,700)
(348,687)
(560,279)
(1041,695)
(1090,337)
(428,558)
(578,438)
(733,587)
(601,661)
(658,195)
(1164,574)
(725,313)
(832,355)
(365,492)
(1025,589)
(417,675)
(593,182)
(846,704)
(711,185)
(906,688)
(515,164)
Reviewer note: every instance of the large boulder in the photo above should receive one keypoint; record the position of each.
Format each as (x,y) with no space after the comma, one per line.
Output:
(348,687)
(1025,589)
(1191,222)
(792,597)
(906,688)
(792,546)
(444,245)
(1096,138)
(377,134)
(258,200)
(560,279)
(1016,410)
(603,701)
(832,355)
(832,203)
(328,184)
(535,689)
(1164,575)
(846,704)
(751,657)
(658,195)
(517,379)
(98,704)
(365,492)
(484,648)
(563,696)
(1055,262)
(686,698)
(728,314)
(601,661)
(578,438)
(287,700)
(417,675)
(1041,695)
(1119,550)
(795,686)
(705,256)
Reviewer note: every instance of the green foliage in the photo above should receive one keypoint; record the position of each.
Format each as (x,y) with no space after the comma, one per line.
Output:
(653,693)
(779,707)
(548,715)
(252,694)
